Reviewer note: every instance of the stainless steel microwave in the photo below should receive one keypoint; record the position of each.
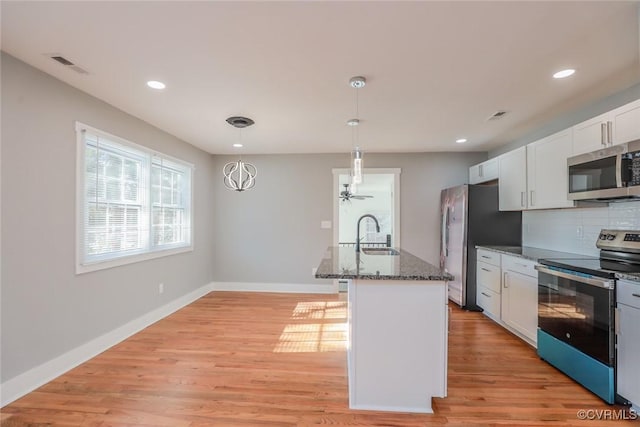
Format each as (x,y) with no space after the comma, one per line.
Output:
(611,173)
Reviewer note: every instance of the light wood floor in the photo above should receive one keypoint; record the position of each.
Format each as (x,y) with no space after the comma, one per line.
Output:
(249,359)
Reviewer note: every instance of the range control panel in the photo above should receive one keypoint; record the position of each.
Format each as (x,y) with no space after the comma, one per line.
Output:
(619,240)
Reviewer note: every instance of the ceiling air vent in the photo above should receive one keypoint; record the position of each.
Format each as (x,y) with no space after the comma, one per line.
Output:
(240,122)
(497,115)
(64,61)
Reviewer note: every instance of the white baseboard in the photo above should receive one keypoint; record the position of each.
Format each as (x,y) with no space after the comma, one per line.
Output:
(298,288)
(383,408)
(24,383)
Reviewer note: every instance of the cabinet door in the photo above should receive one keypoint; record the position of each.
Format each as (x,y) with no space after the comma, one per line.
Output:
(629,353)
(483,172)
(489,301)
(489,170)
(520,303)
(512,186)
(547,177)
(474,174)
(590,135)
(488,276)
(626,123)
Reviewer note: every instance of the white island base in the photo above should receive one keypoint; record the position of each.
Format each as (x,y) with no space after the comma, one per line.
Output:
(397,356)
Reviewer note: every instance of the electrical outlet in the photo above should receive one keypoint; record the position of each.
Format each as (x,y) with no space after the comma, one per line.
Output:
(343,285)
(325,224)
(579,232)
(160,288)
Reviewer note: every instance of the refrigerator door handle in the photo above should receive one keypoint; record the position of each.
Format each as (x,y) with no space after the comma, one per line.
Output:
(445,232)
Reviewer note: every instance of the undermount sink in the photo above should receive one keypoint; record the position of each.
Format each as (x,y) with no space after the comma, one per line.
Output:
(380,251)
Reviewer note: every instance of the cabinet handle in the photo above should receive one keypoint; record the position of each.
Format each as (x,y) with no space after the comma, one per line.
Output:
(481,171)
(636,295)
(603,134)
(531,194)
(485,269)
(522,195)
(488,296)
(484,256)
(504,280)
(610,132)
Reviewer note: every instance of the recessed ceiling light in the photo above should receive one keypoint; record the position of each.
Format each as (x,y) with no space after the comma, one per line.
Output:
(153,84)
(564,73)
(461,140)
(353,122)
(238,145)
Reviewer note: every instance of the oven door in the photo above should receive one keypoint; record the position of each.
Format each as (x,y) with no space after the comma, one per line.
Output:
(578,311)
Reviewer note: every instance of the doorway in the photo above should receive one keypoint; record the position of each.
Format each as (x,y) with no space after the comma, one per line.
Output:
(378,195)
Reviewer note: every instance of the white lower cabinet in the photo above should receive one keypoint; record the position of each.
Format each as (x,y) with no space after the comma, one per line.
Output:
(488,283)
(520,297)
(628,341)
(507,291)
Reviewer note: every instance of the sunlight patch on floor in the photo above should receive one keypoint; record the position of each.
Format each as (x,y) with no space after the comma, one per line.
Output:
(302,337)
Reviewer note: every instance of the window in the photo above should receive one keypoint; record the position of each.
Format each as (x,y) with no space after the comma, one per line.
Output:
(133,203)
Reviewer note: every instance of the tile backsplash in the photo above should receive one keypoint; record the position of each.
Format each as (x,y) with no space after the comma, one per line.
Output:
(576,230)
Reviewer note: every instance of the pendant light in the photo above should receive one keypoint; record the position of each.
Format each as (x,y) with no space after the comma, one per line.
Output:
(239,176)
(357,83)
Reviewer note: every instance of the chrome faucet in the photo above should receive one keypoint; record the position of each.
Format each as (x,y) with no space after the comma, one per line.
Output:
(358,229)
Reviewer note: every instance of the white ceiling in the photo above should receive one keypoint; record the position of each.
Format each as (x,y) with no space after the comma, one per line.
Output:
(435,70)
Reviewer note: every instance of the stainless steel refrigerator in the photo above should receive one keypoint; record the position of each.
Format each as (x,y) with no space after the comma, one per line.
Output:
(470,217)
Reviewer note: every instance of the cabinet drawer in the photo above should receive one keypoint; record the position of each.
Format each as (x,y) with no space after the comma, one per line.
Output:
(519,265)
(488,276)
(628,293)
(489,257)
(489,301)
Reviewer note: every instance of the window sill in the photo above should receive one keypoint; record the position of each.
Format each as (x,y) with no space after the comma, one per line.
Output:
(103,265)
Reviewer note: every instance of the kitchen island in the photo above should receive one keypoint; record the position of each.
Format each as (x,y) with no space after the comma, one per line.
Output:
(398,323)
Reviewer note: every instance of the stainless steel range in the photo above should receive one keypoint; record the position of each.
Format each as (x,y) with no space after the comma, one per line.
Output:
(576,310)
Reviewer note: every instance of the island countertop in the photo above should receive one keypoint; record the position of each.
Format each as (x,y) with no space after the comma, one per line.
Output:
(344,263)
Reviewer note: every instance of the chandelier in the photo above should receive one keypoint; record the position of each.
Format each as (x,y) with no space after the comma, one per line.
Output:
(239,175)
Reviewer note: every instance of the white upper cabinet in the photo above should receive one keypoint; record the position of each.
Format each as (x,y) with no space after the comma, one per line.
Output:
(626,123)
(483,172)
(611,128)
(512,184)
(547,180)
(592,134)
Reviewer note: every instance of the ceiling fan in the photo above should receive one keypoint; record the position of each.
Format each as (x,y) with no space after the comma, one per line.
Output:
(347,195)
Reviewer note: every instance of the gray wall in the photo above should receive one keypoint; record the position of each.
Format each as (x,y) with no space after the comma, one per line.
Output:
(47,309)
(272,233)
(572,118)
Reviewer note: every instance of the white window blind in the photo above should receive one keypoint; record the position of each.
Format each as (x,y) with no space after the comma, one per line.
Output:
(134,201)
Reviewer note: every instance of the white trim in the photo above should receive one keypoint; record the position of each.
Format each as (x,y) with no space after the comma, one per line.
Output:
(123,141)
(26,382)
(147,253)
(294,288)
(130,259)
(392,408)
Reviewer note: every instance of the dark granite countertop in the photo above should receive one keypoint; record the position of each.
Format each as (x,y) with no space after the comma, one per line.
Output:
(533,254)
(633,277)
(342,263)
